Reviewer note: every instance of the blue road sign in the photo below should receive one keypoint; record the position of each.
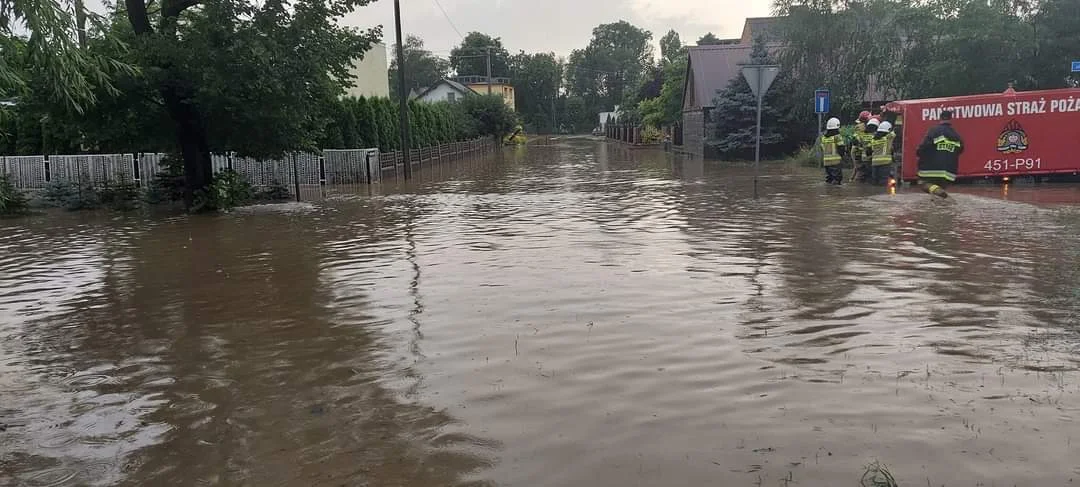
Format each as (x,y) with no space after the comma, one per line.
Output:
(1076,66)
(821,101)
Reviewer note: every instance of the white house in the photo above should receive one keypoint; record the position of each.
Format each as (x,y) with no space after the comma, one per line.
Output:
(606,117)
(369,74)
(444,90)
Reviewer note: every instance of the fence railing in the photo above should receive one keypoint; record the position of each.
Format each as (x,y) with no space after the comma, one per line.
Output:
(329,167)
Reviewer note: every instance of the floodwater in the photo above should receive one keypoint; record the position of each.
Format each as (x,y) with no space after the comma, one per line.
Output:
(575,314)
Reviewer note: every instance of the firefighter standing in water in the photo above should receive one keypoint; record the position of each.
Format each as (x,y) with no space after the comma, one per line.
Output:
(832,145)
(862,153)
(881,155)
(939,156)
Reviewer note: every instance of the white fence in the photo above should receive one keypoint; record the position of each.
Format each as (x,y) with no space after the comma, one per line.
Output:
(331,167)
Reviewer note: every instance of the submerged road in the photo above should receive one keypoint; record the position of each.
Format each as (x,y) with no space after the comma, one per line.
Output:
(573,314)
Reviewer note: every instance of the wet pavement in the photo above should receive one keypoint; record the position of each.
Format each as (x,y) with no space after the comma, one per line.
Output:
(574,314)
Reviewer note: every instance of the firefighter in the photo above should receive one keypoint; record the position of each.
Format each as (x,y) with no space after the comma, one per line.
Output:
(939,156)
(832,145)
(881,149)
(862,152)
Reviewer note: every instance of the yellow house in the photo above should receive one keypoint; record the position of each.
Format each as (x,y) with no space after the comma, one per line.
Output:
(498,86)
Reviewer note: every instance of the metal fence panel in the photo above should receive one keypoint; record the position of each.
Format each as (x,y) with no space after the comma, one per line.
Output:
(219,162)
(344,166)
(25,172)
(374,167)
(149,165)
(92,169)
(307,167)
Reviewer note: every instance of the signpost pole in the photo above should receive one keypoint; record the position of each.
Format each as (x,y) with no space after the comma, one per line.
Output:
(757,145)
(759,77)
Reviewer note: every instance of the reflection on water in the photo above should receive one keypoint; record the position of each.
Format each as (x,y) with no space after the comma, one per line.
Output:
(573,314)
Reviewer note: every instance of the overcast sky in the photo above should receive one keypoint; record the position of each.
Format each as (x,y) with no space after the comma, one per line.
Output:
(557,26)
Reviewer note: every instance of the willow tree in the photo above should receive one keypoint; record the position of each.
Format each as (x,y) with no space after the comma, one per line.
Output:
(260,78)
(39,46)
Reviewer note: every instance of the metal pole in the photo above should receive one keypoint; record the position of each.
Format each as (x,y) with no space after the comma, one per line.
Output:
(403,95)
(296,177)
(757,146)
(489,68)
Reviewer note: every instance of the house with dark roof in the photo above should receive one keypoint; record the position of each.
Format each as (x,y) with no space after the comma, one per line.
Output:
(443,90)
(709,70)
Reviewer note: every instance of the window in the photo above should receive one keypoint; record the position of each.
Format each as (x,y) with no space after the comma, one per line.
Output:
(451,96)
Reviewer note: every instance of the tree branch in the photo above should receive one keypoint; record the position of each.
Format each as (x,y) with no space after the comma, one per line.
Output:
(175,7)
(136,12)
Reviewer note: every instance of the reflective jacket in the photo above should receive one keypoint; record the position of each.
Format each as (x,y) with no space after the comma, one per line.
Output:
(939,153)
(882,149)
(864,140)
(830,149)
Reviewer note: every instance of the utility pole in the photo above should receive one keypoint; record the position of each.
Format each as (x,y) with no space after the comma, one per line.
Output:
(403,95)
(488,49)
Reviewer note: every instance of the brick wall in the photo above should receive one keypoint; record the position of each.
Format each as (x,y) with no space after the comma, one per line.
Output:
(694,132)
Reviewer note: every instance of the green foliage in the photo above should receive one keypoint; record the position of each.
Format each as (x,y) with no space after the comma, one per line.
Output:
(651,135)
(50,61)
(671,48)
(228,191)
(666,109)
(537,79)
(168,184)
(710,39)
(485,115)
(373,122)
(422,68)
(733,121)
(276,192)
(609,70)
(119,195)
(470,58)
(69,196)
(920,49)
(12,201)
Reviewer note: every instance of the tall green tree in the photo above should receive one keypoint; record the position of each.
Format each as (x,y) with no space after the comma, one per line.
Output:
(609,70)
(49,60)
(422,68)
(470,57)
(671,47)
(258,78)
(733,121)
(537,80)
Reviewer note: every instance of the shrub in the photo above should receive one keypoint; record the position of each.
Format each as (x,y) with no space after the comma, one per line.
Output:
(274,192)
(12,201)
(69,196)
(651,135)
(168,185)
(806,156)
(119,195)
(227,191)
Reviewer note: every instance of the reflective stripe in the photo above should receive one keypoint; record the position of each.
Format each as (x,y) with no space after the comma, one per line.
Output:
(944,144)
(829,152)
(946,175)
(882,148)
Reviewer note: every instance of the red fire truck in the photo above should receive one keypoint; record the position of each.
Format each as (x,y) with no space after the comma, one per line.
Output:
(1006,135)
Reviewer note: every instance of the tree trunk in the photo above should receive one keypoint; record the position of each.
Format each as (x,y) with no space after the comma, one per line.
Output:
(191,136)
(179,101)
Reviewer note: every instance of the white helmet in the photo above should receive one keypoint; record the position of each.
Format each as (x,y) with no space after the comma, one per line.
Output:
(872,121)
(884,127)
(832,124)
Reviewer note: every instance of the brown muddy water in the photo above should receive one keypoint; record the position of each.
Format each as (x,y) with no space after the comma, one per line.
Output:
(554,316)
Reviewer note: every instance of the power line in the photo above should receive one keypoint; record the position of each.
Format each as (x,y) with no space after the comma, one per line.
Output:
(451,22)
